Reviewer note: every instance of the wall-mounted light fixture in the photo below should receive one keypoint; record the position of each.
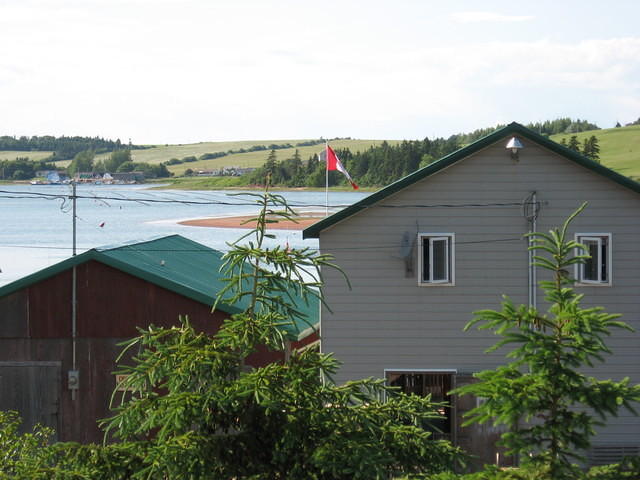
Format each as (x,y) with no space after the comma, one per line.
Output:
(514,145)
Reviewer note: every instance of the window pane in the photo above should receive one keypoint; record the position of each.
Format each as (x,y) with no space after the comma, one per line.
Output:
(603,261)
(591,266)
(440,260)
(426,260)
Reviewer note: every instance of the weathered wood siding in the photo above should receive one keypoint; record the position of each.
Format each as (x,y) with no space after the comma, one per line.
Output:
(387,321)
(35,326)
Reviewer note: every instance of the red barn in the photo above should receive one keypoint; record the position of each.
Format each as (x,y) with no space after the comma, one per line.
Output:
(57,361)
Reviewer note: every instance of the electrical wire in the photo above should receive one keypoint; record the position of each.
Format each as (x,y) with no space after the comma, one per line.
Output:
(33,195)
(199,250)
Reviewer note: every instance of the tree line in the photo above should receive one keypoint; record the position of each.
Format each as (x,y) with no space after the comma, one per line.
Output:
(383,164)
(119,161)
(253,148)
(63,148)
(378,165)
(589,147)
(22,168)
(547,128)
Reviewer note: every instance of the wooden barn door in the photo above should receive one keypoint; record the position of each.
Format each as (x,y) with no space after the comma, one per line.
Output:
(33,390)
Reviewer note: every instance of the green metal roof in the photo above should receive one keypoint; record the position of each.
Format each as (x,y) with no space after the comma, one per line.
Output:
(175,263)
(514,128)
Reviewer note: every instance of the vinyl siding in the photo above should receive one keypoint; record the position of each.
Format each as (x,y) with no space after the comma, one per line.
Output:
(388,321)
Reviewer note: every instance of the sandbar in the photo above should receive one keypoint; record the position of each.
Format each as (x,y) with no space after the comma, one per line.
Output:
(302,221)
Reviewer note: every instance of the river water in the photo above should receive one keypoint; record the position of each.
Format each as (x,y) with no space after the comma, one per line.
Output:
(37,231)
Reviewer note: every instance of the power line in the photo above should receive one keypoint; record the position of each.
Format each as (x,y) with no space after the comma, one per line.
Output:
(200,250)
(64,197)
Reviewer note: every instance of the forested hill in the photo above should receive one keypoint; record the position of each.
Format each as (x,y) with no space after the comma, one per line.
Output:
(63,148)
(381,165)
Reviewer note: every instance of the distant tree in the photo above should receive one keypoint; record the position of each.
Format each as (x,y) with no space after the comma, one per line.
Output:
(618,125)
(574,143)
(82,162)
(270,164)
(98,167)
(116,159)
(426,160)
(591,149)
(126,167)
(188,172)
(20,175)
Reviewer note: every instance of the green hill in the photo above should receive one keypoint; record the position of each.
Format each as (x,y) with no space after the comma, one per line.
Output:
(619,148)
(13,154)
(165,153)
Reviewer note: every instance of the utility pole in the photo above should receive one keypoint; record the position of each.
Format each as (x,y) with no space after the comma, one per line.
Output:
(73,374)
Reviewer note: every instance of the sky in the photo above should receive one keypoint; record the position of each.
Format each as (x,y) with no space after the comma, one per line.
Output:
(185,71)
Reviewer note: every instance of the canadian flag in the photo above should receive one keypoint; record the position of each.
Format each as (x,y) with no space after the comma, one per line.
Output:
(334,163)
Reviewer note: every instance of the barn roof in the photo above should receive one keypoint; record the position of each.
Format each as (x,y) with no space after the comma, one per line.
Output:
(514,128)
(172,262)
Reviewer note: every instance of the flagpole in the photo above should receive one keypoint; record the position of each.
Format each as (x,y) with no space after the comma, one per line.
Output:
(326,178)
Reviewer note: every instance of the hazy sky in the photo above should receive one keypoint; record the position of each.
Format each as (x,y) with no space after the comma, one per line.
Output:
(179,71)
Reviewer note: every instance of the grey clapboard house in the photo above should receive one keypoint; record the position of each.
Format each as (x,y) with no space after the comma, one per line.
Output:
(426,251)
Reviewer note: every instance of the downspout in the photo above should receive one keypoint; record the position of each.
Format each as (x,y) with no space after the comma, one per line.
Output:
(533,221)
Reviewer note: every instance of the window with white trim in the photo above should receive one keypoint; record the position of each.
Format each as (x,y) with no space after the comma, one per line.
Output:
(597,269)
(436,258)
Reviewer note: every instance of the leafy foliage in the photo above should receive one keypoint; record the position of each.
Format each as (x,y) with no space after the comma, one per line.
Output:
(198,411)
(22,168)
(550,407)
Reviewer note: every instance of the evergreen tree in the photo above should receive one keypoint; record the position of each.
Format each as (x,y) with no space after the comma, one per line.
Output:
(591,149)
(542,394)
(574,143)
(196,411)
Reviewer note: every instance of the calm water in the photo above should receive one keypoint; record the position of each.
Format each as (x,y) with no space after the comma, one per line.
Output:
(37,232)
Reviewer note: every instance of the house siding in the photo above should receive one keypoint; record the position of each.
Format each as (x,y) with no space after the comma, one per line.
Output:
(388,321)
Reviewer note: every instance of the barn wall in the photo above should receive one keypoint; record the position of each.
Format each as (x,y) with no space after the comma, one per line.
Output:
(35,326)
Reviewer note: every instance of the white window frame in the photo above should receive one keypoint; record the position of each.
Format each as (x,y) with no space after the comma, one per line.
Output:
(450,265)
(579,268)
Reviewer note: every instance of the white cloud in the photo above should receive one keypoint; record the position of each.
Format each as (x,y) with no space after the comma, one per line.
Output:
(477,17)
(177,71)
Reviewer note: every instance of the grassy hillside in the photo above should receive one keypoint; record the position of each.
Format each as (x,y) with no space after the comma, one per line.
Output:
(619,148)
(250,159)
(13,154)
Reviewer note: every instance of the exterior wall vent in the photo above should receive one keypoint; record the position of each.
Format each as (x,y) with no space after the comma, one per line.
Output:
(613,453)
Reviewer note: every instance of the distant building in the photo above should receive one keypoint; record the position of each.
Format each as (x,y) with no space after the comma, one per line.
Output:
(224,172)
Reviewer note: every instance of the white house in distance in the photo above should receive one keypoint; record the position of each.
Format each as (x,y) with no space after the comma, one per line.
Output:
(425,252)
